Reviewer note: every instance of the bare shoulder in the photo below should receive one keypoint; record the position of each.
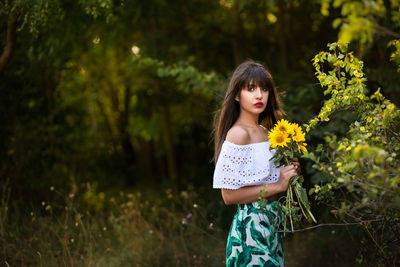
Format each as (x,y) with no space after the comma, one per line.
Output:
(238,135)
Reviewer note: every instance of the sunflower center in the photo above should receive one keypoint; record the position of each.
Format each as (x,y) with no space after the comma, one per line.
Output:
(279,139)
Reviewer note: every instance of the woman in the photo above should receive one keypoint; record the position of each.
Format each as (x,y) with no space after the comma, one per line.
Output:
(244,170)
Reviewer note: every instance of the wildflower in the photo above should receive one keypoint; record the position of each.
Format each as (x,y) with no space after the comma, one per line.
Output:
(278,138)
(188,216)
(317,188)
(51,188)
(195,205)
(184,195)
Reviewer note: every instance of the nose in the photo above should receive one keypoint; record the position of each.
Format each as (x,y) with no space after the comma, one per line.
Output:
(259,93)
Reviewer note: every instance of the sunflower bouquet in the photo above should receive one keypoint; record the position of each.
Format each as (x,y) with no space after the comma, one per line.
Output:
(288,140)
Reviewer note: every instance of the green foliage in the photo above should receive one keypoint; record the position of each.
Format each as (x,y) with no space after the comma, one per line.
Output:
(37,15)
(395,55)
(139,103)
(361,20)
(98,7)
(345,82)
(363,165)
(34,15)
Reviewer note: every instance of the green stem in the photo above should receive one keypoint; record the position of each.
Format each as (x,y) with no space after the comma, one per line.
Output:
(287,161)
(301,203)
(290,204)
(284,220)
(287,204)
(311,215)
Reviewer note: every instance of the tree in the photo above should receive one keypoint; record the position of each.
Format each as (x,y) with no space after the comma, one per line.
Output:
(361,168)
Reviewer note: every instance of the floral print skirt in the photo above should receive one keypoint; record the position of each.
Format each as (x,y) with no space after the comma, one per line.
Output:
(253,238)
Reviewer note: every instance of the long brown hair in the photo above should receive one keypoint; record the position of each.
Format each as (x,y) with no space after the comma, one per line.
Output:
(227,115)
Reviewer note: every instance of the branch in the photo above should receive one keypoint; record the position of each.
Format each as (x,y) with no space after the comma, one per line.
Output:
(10,43)
(329,224)
(385,31)
(385,189)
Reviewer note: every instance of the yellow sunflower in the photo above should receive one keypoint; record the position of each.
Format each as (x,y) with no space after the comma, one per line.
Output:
(302,147)
(284,126)
(278,138)
(298,134)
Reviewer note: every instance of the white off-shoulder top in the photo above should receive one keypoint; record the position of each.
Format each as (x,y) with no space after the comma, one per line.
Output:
(245,165)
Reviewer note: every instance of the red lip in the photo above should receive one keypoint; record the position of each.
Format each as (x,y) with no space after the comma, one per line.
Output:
(259,104)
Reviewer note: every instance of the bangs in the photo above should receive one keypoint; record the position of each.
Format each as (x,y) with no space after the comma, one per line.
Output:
(257,76)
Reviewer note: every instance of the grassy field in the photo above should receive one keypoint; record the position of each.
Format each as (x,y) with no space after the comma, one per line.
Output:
(124,230)
(93,229)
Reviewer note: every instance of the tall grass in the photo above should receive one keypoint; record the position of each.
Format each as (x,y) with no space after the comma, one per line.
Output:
(91,229)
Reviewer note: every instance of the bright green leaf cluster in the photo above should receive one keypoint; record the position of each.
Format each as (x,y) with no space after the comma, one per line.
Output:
(345,81)
(98,8)
(360,19)
(364,164)
(395,55)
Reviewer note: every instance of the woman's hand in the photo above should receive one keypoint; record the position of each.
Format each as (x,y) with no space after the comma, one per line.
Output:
(295,162)
(286,173)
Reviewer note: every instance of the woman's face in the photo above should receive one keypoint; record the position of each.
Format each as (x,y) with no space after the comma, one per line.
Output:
(253,98)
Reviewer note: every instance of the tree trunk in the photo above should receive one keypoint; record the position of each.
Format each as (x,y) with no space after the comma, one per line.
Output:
(107,123)
(123,122)
(282,35)
(50,86)
(237,34)
(10,43)
(145,161)
(292,48)
(169,145)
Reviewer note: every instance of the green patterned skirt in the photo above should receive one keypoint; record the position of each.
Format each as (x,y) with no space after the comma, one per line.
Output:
(253,238)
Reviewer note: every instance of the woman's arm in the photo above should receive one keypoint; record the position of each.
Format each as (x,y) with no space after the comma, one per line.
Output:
(250,194)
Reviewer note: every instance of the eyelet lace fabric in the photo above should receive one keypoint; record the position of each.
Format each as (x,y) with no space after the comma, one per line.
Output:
(245,165)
